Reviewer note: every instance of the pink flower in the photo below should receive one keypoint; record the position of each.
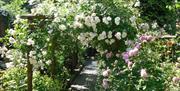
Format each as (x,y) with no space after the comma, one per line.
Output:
(105,83)
(145,38)
(138,45)
(125,56)
(109,55)
(133,52)
(143,73)
(149,38)
(106,73)
(130,64)
(175,79)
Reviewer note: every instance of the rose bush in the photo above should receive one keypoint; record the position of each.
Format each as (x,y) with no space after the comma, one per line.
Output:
(131,54)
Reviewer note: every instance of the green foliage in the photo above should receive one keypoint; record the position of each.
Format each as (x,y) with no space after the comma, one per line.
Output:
(14,7)
(14,79)
(161,11)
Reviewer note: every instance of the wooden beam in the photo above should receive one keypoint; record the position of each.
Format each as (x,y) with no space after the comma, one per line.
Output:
(168,36)
(31,17)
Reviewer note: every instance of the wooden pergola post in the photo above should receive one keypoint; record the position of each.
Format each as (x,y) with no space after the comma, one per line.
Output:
(30,19)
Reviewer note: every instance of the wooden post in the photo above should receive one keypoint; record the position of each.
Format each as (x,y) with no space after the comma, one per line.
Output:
(29,65)
(53,64)
(29,73)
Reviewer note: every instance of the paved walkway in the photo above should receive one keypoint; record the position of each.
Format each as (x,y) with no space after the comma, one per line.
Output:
(86,81)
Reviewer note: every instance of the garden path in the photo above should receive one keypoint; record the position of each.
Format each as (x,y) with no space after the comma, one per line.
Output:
(86,80)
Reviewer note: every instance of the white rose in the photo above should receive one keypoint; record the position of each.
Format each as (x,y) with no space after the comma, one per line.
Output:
(105,20)
(11,31)
(102,36)
(143,73)
(105,83)
(124,34)
(87,21)
(30,42)
(110,34)
(50,31)
(111,41)
(117,20)
(97,20)
(118,35)
(107,41)
(137,4)
(106,73)
(32,53)
(132,19)
(12,40)
(154,25)
(62,27)
(109,18)
(77,25)
(44,52)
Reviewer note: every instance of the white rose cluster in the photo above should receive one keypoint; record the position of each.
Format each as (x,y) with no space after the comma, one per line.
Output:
(3,50)
(85,38)
(102,36)
(92,21)
(144,26)
(106,20)
(14,55)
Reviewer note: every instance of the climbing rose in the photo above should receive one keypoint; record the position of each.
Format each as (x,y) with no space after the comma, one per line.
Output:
(118,35)
(175,79)
(177,65)
(48,62)
(137,4)
(109,18)
(106,73)
(143,73)
(102,36)
(105,20)
(130,64)
(12,40)
(133,52)
(154,25)
(132,19)
(11,31)
(30,42)
(110,34)
(124,34)
(138,45)
(105,83)
(117,20)
(77,24)
(145,38)
(178,59)
(125,56)
(109,55)
(62,27)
